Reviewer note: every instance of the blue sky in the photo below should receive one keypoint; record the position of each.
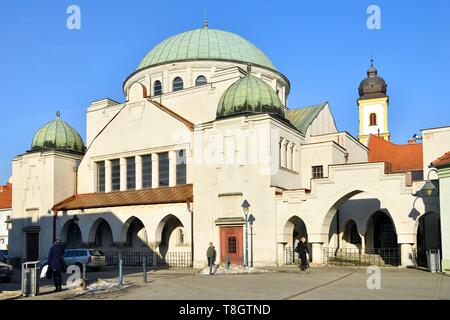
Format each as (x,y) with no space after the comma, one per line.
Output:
(323,47)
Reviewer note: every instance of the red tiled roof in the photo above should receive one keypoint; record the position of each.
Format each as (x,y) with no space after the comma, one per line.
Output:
(441,161)
(6,196)
(400,157)
(176,194)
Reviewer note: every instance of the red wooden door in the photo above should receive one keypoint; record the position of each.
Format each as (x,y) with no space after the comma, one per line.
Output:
(231,244)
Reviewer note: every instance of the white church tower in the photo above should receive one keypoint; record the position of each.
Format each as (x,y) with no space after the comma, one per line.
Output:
(373,107)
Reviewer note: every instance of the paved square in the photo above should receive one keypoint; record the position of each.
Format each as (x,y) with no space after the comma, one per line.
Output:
(278,284)
(320,283)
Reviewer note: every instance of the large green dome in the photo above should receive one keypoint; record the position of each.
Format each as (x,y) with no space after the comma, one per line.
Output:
(249,95)
(206,44)
(58,135)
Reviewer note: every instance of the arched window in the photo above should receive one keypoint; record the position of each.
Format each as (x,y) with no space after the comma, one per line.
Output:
(157,88)
(354,235)
(201,80)
(373,119)
(177,84)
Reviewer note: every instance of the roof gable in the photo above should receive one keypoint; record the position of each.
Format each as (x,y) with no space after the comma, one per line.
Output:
(302,118)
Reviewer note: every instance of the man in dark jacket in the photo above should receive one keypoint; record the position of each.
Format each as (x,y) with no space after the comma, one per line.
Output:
(303,253)
(56,263)
(211,256)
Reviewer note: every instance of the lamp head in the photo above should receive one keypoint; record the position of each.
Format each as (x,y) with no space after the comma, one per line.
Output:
(429,188)
(245,206)
(251,219)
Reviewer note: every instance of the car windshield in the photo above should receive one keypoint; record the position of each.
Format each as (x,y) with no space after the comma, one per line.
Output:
(96,252)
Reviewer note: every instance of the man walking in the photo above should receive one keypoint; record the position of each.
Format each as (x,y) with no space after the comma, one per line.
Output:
(56,263)
(211,256)
(303,253)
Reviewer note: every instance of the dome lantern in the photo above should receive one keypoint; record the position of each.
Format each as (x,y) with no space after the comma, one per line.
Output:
(58,135)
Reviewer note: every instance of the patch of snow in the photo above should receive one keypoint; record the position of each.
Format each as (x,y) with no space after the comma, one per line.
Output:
(233,269)
(10,294)
(104,286)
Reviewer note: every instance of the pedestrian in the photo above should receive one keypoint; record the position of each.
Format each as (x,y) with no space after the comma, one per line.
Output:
(303,252)
(211,256)
(56,263)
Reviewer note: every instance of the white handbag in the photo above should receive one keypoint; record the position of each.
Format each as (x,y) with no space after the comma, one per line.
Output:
(44,271)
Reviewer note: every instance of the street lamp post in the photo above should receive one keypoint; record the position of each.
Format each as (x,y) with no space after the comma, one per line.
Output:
(251,219)
(75,220)
(246,208)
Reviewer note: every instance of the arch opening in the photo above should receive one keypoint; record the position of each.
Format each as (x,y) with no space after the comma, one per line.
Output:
(101,236)
(157,88)
(294,229)
(360,230)
(172,236)
(351,235)
(428,237)
(373,119)
(177,84)
(200,81)
(134,235)
(381,238)
(71,235)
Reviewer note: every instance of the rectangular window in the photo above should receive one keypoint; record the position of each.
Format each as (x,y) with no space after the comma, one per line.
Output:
(181,167)
(131,173)
(101,176)
(163,162)
(115,175)
(317,172)
(147,171)
(232,245)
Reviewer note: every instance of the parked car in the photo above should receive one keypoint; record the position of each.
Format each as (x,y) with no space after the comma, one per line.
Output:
(3,256)
(6,272)
(92,258)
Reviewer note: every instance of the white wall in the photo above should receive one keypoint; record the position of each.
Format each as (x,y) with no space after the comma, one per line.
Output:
(40,180)
(215,178)
(436,142)
(357,152)
(323,124)
(140,128)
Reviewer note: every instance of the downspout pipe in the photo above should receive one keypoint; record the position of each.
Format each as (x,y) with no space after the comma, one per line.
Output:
(55,215)
(188,204)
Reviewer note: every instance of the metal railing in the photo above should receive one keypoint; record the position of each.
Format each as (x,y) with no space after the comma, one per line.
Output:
(290,256)
(152,259)
(367,257)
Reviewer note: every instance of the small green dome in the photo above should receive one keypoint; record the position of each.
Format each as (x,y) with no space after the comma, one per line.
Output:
(249,95)
(205,44)
(58,135)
